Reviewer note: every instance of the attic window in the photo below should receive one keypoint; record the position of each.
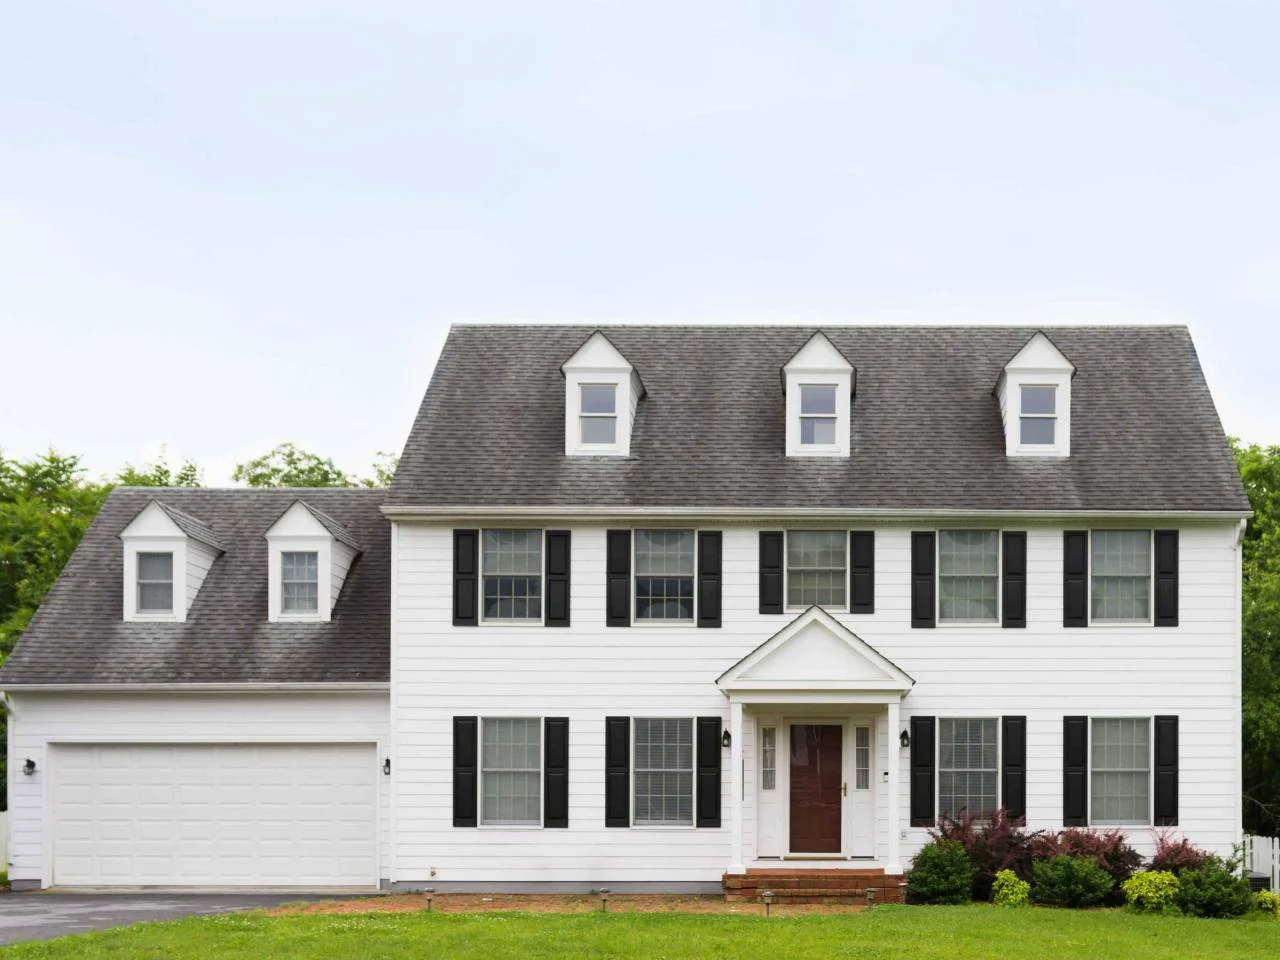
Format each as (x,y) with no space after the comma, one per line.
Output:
(299,581)
(155,583)
(1039,414)
(599,413)
(817,414)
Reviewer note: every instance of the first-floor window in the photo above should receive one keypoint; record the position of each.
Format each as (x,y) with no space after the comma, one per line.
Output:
(967,767)
(664,574)
(768,758)
(862,758)
(511,771)
(664,771)
(1120,765)
(511,565)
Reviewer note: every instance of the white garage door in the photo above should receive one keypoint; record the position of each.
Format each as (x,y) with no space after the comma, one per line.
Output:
(215,815)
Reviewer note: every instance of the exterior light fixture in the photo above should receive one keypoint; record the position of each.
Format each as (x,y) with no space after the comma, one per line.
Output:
(904,738)
(767,897)
(603,894)
(430,892)
(29,768)
(726,740)
(386,766)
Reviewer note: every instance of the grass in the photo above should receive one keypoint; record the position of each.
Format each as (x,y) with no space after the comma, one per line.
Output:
(886,933)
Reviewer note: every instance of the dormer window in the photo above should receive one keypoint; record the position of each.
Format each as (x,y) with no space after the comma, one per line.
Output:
(818,385)
(155,583)
(1034,393)
(1039,414)
(599,413)
(299,581)
(308,556)
(817,414)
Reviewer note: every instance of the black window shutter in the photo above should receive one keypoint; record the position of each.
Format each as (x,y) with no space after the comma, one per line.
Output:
(465,730)
(923,560)
(1166,578)
(555,772)
(922,769)
(558,552)
(1013,765)
(1075,771)
(1014,587)
(862,571)
(709,771)
(1075,578)
(771,556)
(466,578)
(710,564)
(618,579)
(1166,805)
(617,771)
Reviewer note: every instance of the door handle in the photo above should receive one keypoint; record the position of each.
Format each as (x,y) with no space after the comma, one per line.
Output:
(844,789)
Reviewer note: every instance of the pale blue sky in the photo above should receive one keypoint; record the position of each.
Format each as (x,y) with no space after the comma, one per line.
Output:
(229,223)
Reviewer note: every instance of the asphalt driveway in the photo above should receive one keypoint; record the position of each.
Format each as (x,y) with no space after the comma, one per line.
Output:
(43,916)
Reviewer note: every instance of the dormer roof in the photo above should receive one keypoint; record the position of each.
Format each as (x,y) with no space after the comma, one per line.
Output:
(818,354)
(331,526)
(597,352)
(1039,353)
(189,525)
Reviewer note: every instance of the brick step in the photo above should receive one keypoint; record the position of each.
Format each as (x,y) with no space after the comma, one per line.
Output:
(784,883)
(823,872)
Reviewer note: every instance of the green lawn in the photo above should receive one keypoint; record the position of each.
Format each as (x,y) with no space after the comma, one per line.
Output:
(910,933)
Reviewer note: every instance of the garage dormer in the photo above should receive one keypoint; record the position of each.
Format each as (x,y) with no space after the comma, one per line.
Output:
(818,382)
(602,390)
(308,556)
(167,554)
(1034,391)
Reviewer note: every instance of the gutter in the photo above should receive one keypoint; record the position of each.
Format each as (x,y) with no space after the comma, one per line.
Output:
(461,512)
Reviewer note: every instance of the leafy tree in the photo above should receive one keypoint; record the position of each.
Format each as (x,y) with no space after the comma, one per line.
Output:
(288,465)
(160,474)
(384,469)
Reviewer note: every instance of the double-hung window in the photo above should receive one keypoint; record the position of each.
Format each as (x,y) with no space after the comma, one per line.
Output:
(1120,768)
(968,764)
(155,583)
(817,568)
(968,575)
(1120,576)
(1038,415)
(817,414)
(299,581)
(598,413)
(663,771)
(664,572)
(511,771)
(511,571)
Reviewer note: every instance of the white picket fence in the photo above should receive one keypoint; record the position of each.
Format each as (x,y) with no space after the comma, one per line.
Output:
(1262,855)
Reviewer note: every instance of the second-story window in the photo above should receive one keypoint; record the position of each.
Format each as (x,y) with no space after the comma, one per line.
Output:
(599,413)
(1038,416)
(968,575)
(817,570)
(1120,576)
(299,581)
(155,583)
(511,566)
(817,414)
(664,574)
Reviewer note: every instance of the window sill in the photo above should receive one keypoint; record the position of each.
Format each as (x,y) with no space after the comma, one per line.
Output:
(665,624)
(512,623)
(1120,624)
(982,624)
(831,610)
(510,826)
(667,827)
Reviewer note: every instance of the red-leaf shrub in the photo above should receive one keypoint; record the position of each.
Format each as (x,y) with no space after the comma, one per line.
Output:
(1176,855)
(1108,850)
(997,843)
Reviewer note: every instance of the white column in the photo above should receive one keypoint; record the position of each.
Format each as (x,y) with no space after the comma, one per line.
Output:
(736,864)
(894,793)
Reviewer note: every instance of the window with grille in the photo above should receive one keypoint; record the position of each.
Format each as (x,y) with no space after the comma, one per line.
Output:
(817,414)
(664,574)
(1120,575)
(1038,415)
(511,567)
(511,771)
(299,581)
(968,575)
(598,412)
(664,771)
(817,570)
(968,765)
(1120,766)
(155,583)
(768,758)
(862,758)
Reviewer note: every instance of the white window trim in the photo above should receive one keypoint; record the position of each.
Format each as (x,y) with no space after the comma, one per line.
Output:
(1015,380)
(693,727)
(507,622)
(177,546)
(786,568)
(1151,773)
(843,384)
(542,775)
(624,400)
(1151,581)
(322,547)
(663,624)
(300,614)
(172,581)
(854,727)
(583,415)
(937,579)
(937,756)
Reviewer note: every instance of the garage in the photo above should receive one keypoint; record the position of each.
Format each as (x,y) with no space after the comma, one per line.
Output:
(204,815)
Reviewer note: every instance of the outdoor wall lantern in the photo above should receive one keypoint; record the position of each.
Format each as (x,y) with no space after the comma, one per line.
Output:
(725,739)
(904,738)
(29,768)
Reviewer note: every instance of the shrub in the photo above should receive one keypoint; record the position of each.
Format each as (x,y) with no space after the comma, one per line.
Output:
(1155,891)
(940,873)
(1010,891)
(1064,881)
(1176,856)
(1268,902)
(1215,890)
(1108,850)
(995,844)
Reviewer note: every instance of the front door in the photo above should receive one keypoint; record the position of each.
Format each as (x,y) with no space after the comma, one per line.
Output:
(816,788)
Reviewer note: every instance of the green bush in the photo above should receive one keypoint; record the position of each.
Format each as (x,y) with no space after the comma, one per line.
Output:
(1268,902)
(1010,891)
(1064,881)
(1155,891)
(1215,890)
(940,873)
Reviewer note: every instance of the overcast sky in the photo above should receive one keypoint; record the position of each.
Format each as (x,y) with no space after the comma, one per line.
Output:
(232,223)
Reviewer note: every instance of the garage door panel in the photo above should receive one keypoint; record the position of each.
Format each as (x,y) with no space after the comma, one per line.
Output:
(190,815)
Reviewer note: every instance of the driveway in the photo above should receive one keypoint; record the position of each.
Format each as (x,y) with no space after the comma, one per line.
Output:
(42,916)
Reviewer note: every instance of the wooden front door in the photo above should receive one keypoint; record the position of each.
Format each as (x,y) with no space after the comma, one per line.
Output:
(816,788)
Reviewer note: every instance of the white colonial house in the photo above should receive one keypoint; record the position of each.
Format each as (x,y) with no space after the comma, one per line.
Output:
(654,608)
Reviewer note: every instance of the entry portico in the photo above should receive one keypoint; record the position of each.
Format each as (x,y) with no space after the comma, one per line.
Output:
(820,698)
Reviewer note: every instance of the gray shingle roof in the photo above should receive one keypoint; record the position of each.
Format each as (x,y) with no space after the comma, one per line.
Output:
(189,525)
(926,430)
(338,531)
(79,636)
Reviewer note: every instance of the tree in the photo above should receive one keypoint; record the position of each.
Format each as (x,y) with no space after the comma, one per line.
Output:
(159,474)
(288,465)
(384,469)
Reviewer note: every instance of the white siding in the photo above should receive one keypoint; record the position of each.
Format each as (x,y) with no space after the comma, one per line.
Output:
(199,559)
(589,671)
(38,719)
(341,563)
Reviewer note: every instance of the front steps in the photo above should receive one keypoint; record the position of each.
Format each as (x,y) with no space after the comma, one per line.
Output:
(813,886)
